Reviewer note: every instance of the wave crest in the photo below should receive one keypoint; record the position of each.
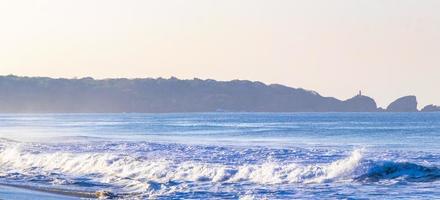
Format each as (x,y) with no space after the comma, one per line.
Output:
(140,175)
(387,170)
(136,174)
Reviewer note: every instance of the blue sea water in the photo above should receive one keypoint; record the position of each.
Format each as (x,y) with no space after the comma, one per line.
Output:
(225,155)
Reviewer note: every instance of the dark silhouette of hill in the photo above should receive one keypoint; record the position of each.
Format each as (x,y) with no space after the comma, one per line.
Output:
(42,94)
(404,104)
(431,108)
(360,103)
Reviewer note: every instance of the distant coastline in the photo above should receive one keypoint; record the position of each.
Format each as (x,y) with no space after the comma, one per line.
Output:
(86,95)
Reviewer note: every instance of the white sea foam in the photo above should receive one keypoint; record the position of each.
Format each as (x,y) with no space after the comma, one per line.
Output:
(133,174)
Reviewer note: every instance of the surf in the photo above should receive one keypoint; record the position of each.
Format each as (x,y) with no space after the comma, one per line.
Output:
(119,174)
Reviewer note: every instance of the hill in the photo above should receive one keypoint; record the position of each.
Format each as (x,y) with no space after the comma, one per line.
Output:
(44,95)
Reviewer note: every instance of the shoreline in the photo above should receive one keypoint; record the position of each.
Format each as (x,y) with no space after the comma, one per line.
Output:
(24,190)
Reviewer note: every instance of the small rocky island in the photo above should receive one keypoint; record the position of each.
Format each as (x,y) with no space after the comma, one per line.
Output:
(147,95)
(431,108)
(403,104)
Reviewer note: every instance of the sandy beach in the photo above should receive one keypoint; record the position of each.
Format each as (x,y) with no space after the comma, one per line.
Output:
(16,193)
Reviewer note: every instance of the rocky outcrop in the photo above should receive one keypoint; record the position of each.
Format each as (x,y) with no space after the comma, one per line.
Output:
(431,108)
(403,104)
(360,103)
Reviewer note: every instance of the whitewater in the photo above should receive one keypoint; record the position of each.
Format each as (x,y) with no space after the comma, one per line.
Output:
(224,155)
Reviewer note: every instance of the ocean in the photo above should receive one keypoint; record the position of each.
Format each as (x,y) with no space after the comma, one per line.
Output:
(222,155)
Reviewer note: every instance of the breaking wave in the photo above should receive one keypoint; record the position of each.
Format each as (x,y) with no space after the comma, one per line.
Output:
(126,174)
(405,171)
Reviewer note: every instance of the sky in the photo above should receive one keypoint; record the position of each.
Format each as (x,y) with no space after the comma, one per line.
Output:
(386,48)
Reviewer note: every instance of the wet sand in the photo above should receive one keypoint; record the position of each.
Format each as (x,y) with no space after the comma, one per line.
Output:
(14,192)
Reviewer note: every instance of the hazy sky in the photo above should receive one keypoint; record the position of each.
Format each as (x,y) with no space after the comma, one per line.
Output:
(387,48)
